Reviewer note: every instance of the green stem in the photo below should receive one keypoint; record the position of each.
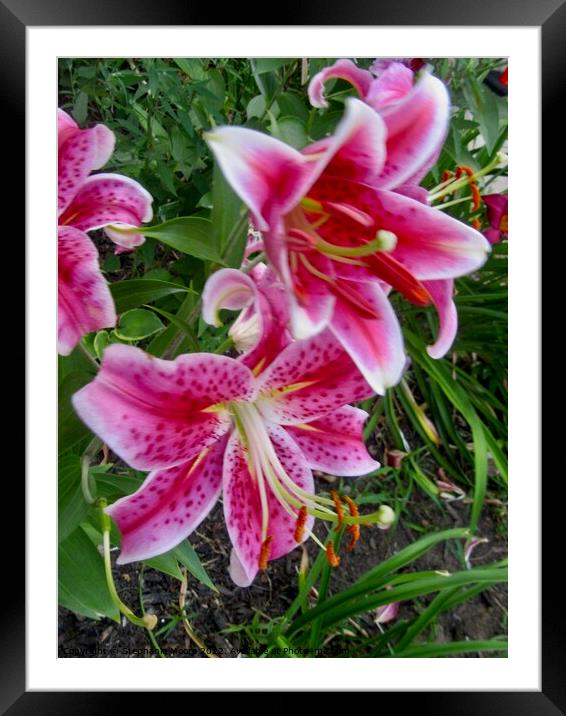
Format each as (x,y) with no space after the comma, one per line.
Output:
(148,621)
(91,450)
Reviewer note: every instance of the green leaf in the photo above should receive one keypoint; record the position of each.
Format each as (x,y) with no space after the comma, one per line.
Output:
(226,212)
(138,291)
(80,107)
(268,64)
(191,67)
(292,131)
(166,563)
(101,340)
(71,429)
(137,324)
(187,556)
(192,235)
(256,107)
(427,651)
(72,509)
(293,105)
(82,581)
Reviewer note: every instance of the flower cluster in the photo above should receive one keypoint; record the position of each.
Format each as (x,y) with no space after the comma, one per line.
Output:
(342,224)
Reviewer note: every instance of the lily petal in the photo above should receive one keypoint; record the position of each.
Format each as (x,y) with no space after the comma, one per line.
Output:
(308,380)
(342,69)
(226,288)
(357,149)
(80,152)
(106,199)
(242,506)
(392,85)
(158,413)
(267,174)
(416,129)
(169,505)
(442,293)
(84,300)
(334,443)
(374,344)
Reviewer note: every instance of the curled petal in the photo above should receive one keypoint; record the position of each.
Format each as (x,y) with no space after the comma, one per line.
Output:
(80,152)
(169,505)
(342,69)
(391,86)
(84,300)
(442,296)
(416,129)
(374,344)
(356,150)
(268,175)
(308,380)
(227,288)
(242,506)
(110,199)
(334,443)
(158,413)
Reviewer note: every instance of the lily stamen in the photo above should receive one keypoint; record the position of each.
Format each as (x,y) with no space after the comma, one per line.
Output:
(331,556)
(300,527)
(338,507)
(265,552)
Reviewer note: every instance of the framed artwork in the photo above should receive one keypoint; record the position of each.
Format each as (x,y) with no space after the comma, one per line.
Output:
(175,219)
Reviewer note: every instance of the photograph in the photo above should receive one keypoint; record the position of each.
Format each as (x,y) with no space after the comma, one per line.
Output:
(282,350)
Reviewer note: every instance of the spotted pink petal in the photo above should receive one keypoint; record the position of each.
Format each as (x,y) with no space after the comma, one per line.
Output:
(66,127)
(242,506)
(169,505)
(311,304)
(374,344)
(268,175)
(80,152)
(430,244)
(158,413)
(390,87)
(442,293)
(105,199)
(416,129)
(334,443)
(342,69)
(84,300)
(308,380)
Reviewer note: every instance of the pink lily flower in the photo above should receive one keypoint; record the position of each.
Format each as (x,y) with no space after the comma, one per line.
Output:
(205,424)
(497,208)
(86,203)
(338,240)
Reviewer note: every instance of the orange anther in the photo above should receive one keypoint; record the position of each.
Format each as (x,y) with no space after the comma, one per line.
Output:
(300,527)
(265,552)
(464,169)
(476,196)
(476,223)
(331,556)
(446,175)
(338,507)
(353,530)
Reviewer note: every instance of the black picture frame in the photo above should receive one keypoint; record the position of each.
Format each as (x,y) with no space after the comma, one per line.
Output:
(15,16)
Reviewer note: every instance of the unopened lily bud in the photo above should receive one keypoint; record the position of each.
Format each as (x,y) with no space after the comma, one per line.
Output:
(150,621)
(387,613)
(386,517)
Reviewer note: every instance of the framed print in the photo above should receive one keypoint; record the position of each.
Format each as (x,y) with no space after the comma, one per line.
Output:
(280,331)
